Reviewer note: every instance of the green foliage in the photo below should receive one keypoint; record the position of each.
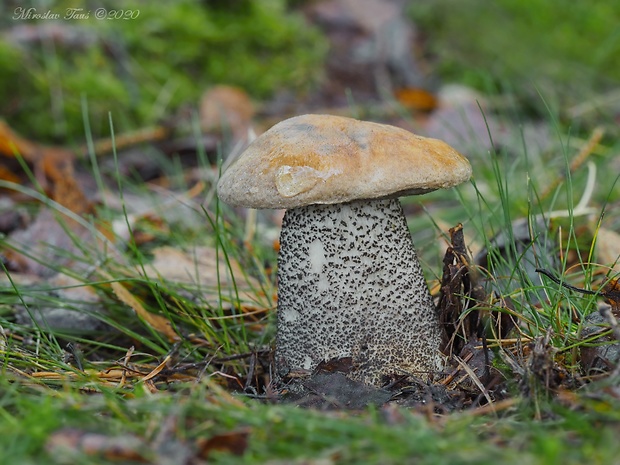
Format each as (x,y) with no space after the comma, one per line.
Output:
(142,69)
(287,434)
(564,50)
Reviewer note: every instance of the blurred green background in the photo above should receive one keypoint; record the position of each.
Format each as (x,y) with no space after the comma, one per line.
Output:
(565,51)
(144,69)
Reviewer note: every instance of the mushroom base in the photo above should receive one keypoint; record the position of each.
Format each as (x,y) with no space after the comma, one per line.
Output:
(350,287)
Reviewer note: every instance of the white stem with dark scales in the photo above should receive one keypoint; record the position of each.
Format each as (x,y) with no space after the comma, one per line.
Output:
(350,286)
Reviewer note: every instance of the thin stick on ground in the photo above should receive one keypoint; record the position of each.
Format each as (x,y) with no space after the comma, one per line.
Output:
(581,157)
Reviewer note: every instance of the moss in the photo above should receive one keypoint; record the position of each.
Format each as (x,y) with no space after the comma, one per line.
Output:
(143,69)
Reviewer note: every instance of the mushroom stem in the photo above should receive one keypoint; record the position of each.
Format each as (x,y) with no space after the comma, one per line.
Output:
(350,286)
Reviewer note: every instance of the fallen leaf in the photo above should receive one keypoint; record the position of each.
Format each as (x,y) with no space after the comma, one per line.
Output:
(157,370)
(129,139)
(50,242)
(58,166)
(10,142)
(233,442)
(611,292)
(204,267)
(603,356)
(226,108)
(416,99)
(608,248)
(51,165)
(157,322)
(7,174)
(52,238)
(63,303)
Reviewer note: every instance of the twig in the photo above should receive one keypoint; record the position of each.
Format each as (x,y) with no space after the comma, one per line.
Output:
(581,157)
(139,136)
(494,407)
(563,284)
(474,378)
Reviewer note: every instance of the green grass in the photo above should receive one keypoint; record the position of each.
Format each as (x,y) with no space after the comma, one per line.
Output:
(133,390)
(190,401)
(176,423)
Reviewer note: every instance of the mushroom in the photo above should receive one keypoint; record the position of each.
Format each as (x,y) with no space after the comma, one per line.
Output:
(350,287)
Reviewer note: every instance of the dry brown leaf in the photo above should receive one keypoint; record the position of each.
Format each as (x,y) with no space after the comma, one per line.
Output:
(7,174)
(58,167)
(611,292)
(228,108)
(416,99)
(46,240)
(50,232)
(233,442)
(200,266)
(53,169)
(147,227)
(157,370)
(10,142)
(608,248)
(125,140)
(50,164)
(157,322)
